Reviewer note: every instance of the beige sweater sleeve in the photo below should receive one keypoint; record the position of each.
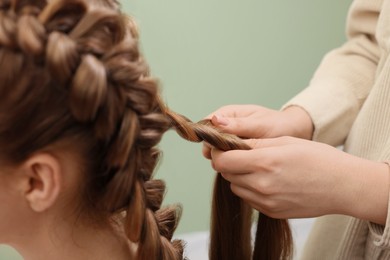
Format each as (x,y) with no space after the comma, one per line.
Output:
(381,233)
(344,77)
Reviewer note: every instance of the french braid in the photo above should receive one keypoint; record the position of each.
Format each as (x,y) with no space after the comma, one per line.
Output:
(85,54)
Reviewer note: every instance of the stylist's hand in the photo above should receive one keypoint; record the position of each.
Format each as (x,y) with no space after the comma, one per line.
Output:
(288,177)
(251,121)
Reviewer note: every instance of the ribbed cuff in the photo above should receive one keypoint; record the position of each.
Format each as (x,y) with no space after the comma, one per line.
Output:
(381,233)
(332,111)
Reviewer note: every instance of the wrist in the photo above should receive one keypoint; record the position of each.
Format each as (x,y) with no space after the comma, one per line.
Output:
(299,122)
(369,193)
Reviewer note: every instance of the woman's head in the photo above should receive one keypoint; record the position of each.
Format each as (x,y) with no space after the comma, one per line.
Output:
(79,115)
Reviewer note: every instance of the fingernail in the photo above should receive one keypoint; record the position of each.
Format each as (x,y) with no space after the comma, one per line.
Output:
(220,120)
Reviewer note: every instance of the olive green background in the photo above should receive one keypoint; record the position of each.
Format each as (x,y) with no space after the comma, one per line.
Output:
(210,53)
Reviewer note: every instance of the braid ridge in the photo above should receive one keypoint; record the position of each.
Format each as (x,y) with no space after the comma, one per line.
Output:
(65,59)
(7,28)
(154,245)
(33,36)
(84,100)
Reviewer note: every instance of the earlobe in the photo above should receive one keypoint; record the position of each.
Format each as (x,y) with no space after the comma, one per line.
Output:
(44,181)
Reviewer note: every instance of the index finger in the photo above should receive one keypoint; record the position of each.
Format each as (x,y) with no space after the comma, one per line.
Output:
(234,161)
(206,150)
(233,111)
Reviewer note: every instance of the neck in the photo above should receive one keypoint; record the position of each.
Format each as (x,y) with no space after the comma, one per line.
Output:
(64,239)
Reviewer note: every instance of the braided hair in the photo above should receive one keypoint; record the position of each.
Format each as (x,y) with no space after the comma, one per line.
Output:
(72,70)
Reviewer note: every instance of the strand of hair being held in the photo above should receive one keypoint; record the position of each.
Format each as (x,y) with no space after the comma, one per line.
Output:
(231,219)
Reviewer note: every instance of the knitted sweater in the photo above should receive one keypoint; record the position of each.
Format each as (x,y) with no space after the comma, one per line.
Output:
(348,100)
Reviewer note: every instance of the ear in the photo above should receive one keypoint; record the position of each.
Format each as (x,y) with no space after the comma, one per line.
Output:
(43,173)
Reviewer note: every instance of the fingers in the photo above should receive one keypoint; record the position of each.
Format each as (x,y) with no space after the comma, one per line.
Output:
(234,111)
(245,194)
(240,126)
(244,180)
(206,150)
(272,142)
(259,182)
(235,161)
(264,153)
(252,198)
(237,120)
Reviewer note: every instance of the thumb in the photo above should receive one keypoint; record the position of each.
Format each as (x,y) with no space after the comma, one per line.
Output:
(240,126)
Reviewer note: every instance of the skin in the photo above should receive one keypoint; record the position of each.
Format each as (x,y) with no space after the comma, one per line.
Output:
(39,216)
(285,175)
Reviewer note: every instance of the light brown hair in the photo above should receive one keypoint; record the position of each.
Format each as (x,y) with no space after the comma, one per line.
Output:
(232,219)
(71,71)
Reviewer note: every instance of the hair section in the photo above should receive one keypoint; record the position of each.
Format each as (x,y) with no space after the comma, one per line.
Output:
(231,218)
